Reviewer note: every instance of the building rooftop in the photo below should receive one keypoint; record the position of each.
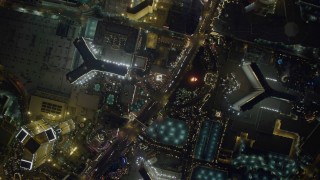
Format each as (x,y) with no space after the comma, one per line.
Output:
(50,134)
(270,143)
(140,62)
(119,56)
(170,131)
(309,146)
(201,172)
(21,135)
(104,29)
(42,58)
(208,140)
(36,138)
(259,89)
(140,6)
(92,64)
(25,164)
(83,49)
(32,145)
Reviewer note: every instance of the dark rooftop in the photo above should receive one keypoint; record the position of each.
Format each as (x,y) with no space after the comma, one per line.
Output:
(127,93)
(32,145)
(131,34)
(22,134)
(250,101)
(25,164)
(92,64)
(3,100)
(311,145)
(139,7)
(50,134)
(83,49)
(272,143)
(144,174)
(184,18)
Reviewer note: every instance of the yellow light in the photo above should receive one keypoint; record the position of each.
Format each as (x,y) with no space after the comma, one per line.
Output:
(29,112)
(84,118)
(68,113)
(73,150)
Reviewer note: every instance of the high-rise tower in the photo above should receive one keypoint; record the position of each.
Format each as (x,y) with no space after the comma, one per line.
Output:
(38,139)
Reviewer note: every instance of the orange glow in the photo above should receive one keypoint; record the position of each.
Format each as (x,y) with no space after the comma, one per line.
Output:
(193,79)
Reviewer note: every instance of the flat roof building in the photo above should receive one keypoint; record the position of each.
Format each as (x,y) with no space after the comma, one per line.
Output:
(46,106)
(38,49)
(109,32)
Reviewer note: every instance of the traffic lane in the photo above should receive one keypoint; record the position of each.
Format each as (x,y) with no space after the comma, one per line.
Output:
(104,159)
(109,158)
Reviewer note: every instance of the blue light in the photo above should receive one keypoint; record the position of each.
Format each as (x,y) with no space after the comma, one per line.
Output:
(280,61)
